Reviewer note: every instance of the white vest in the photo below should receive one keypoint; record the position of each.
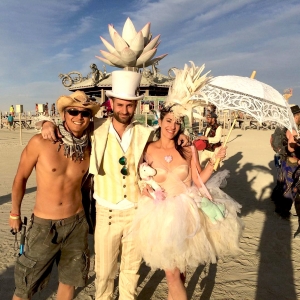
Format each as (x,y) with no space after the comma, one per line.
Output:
(109,183)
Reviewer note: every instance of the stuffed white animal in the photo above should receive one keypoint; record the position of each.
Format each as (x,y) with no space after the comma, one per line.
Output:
(146,173)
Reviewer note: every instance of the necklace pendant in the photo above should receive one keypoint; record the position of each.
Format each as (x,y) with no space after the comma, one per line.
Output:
(168,158)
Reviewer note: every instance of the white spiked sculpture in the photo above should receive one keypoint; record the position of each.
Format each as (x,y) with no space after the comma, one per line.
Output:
(131,50)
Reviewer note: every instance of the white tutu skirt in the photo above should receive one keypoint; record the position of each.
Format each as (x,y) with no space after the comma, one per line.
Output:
(176,233)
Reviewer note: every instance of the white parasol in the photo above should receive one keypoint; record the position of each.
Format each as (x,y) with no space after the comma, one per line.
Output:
(251,96)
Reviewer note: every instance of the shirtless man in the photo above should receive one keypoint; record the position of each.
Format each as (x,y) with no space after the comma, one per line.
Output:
(58,230)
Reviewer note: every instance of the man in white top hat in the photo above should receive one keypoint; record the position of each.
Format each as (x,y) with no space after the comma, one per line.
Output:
(117,147)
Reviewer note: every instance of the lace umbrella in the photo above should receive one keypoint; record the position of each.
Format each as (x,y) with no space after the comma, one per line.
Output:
(251,96)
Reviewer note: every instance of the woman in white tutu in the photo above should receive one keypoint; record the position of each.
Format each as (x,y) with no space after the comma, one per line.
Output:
(181,226)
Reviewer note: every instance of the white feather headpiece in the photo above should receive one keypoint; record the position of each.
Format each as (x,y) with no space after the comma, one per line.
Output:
(187,82)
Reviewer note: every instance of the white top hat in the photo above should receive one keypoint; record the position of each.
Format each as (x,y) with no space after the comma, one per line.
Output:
(125,85)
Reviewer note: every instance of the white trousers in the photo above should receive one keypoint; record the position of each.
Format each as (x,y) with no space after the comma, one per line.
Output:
(112,235)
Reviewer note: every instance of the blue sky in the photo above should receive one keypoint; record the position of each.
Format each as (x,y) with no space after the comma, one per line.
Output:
(41,39)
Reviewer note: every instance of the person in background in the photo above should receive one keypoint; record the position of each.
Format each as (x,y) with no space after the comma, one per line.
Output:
(36,109)
(287,191)
(212,136)
(107,108)
(12,110)
(46,109)
(10,120)
(53,110)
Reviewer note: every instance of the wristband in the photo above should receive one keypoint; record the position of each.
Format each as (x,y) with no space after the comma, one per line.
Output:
(211,162)
(14,218)
(14,215)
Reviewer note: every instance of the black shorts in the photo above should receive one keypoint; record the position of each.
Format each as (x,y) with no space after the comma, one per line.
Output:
(64,241)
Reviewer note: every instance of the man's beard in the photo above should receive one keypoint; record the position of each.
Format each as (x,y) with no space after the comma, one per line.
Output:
(125,120)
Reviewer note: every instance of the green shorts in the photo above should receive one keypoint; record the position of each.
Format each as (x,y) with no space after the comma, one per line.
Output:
(64,241)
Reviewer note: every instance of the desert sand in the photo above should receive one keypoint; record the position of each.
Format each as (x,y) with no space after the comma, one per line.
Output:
(268,267)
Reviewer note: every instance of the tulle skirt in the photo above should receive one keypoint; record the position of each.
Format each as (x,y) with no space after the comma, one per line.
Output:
(175,232)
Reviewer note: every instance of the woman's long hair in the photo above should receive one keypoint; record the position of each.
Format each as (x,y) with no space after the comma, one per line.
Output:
(163,112)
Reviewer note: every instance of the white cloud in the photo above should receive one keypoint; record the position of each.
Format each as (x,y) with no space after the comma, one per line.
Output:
(75,32)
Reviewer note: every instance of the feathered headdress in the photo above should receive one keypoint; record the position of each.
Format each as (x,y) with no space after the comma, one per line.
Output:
(187,82)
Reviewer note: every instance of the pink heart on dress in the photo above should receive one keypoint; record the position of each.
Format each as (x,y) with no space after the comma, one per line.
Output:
(168,158)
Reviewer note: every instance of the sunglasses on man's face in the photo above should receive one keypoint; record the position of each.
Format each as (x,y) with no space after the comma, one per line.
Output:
(76,112)
(123,162)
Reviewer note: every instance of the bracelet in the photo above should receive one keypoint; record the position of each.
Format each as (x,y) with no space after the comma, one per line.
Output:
(14,218)
(14,215)
(211,163)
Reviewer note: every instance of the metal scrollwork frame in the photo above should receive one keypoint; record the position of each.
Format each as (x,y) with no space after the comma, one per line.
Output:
(76,77)
(70,78)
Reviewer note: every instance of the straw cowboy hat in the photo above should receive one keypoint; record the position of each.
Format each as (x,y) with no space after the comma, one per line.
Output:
(77,99)
(125,85)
